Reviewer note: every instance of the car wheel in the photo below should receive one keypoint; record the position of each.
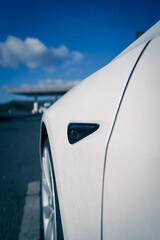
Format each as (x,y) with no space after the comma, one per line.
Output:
(52,227)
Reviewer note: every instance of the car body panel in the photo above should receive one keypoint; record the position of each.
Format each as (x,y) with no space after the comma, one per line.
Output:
(132,177)
(79,167)
(147,36)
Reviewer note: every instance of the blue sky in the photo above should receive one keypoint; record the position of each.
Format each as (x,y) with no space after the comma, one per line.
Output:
(46,43)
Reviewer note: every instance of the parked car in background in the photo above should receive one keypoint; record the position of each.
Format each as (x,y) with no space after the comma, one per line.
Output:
(100,151)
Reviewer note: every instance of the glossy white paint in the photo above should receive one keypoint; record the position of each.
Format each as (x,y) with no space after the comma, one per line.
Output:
(79,167)
(132,181)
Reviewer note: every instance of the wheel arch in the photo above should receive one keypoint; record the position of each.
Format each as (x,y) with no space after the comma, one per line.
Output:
(44,136)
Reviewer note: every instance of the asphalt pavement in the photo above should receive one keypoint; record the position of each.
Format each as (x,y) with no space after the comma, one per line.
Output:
(19,177)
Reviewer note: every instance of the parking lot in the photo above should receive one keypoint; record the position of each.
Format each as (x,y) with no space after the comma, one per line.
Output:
(20,178)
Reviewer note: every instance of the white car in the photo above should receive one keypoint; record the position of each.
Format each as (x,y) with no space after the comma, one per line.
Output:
(100,151)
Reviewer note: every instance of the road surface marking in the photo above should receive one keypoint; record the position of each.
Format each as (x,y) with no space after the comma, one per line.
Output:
(30,226)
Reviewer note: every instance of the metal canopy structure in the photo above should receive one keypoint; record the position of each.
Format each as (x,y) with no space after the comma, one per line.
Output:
(35,92)
(40,92)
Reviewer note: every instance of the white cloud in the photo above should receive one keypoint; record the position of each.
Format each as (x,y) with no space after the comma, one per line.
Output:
(33,53)
(71,71)
(49,82)
(77,56)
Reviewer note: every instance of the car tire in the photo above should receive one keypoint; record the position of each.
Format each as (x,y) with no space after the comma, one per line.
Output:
(51,218)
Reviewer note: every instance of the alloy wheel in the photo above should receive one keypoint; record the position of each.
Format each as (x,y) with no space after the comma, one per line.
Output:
(48,197)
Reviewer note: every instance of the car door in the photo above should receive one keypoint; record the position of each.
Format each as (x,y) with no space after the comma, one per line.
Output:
(132,180)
